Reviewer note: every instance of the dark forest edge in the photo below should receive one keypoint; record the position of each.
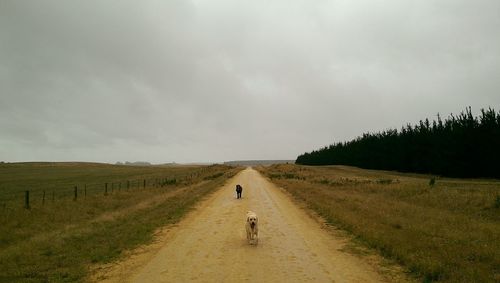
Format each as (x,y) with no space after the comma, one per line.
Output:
(460,146)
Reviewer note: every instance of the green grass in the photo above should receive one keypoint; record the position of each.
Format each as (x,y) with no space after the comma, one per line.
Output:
(446,232)
(60,178)
(59,240)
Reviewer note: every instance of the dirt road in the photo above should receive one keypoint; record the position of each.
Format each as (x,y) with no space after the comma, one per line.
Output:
(210,245)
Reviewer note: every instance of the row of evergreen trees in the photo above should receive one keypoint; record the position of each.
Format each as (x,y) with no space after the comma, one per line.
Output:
(459,146)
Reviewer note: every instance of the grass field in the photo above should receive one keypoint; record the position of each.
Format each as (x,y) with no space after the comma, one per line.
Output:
(57,240)
(447,232)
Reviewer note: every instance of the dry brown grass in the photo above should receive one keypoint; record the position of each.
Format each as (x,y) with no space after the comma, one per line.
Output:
(58,241)
(447,232)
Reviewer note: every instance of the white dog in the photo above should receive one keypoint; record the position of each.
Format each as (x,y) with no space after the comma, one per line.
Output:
(252,227)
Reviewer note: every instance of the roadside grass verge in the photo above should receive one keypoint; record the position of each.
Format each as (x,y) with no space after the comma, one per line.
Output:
(448,231)
(57,242)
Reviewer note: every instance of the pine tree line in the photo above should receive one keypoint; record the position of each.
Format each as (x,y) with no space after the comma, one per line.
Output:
(459,146)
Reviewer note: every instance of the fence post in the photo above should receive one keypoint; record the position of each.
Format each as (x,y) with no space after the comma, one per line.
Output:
(27,200)
(76,193)
(144,183)
(43,198)
(105,189)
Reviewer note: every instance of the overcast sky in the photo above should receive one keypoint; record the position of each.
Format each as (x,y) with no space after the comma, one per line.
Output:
(211,81)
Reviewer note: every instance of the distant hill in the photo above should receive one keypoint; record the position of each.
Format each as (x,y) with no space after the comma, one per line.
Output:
(137,163)
(257,162)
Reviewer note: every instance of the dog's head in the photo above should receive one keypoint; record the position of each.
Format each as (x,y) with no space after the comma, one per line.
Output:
(252,219)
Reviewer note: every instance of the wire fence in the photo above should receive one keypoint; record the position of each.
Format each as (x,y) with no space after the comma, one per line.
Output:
(80,190)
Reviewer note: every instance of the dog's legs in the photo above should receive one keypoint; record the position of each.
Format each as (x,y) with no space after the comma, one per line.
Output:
(250,237)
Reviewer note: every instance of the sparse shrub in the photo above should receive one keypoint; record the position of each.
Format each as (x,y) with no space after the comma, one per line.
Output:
(384,181)
(324,181)
(170,182)
(274,176)
(432,181)
(214,176)
(497,202)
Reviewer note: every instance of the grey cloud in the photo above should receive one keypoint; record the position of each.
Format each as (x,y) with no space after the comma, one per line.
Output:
(220,80)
